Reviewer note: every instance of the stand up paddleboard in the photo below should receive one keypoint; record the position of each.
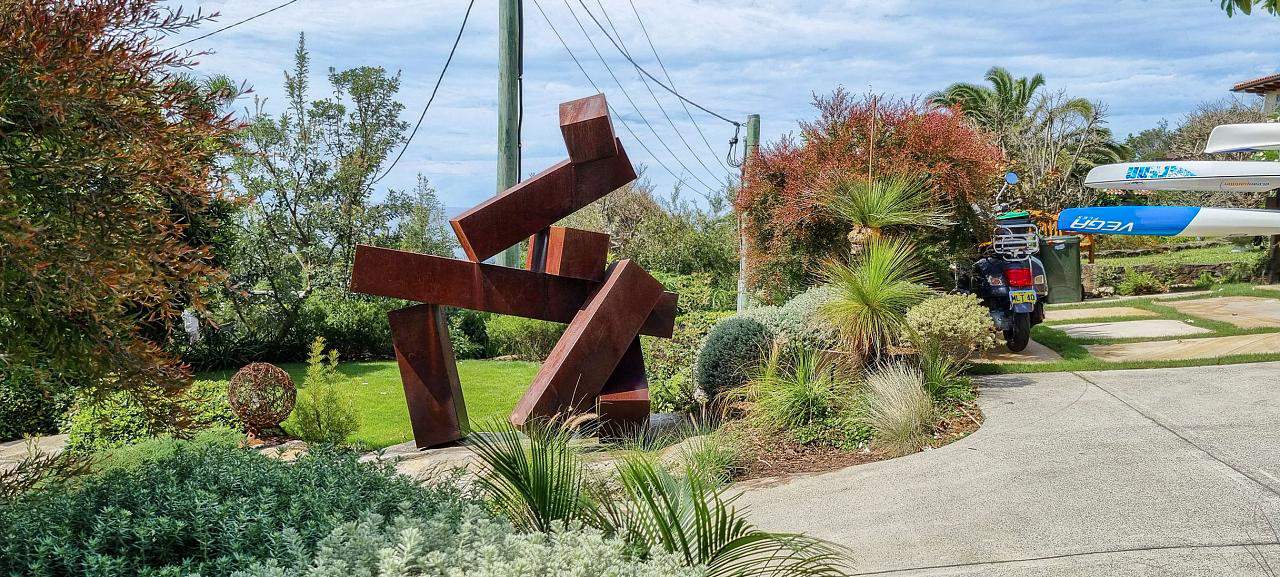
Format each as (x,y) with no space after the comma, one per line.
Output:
(1170,221)
(1206,175)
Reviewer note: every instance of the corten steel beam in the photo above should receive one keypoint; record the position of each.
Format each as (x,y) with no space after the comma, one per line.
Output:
(537,203)
(623,404)
(485,287)
(587,131)
(437,411)
(573,252)
(592,345)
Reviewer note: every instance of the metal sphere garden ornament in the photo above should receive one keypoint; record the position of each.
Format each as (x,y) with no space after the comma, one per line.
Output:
(262,395)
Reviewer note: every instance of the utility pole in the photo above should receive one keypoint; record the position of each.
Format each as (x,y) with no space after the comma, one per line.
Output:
(750,147)
(510,69)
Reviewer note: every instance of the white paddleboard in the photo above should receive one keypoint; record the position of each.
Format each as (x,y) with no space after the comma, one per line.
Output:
(1170,221)
(1244,137)
(1205,175)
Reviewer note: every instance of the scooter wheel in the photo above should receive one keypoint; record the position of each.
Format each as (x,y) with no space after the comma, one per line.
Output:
(1017,337)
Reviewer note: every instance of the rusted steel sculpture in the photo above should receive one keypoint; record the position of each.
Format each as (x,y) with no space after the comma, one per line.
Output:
(597,364)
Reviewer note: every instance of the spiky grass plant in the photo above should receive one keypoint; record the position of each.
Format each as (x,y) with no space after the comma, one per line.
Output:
(696,520)
(796,387)
(544,486)
(898,409)
(943,373)
(873,293)
(873,204)
(536,479)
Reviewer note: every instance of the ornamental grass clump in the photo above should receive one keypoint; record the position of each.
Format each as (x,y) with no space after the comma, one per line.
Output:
(803,394)
(898,409)
(873,294)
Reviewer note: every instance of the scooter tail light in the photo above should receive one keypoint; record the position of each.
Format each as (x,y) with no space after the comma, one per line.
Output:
(1019,277)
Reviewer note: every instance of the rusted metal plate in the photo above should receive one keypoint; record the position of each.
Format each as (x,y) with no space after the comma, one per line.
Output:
(592,345)
(587,130)
(485,287)
(573,252)
(437,411)
(623,405)
(537,203)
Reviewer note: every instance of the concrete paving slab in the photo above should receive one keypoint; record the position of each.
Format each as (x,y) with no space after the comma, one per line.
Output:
(1241,311)
(1034,353)
(1268,287)
(1181,349)
(1145,473)
(1096,313)
(1131,329)
(1158,297)
(13,451)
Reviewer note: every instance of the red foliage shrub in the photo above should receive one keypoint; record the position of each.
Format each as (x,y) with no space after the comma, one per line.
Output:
(787,229)
(107,183)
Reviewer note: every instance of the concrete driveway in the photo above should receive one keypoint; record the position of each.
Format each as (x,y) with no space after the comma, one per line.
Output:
(1142,472)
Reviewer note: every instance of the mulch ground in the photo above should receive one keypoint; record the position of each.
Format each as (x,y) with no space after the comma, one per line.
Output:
(766,454)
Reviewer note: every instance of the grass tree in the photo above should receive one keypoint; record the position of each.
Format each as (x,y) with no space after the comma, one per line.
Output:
(874,291)
(872,205)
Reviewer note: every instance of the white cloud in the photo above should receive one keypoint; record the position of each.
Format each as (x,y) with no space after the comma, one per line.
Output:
(1144,60)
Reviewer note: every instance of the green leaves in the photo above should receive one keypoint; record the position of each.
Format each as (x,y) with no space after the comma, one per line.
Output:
(873,294)
(896,200)
(545,486)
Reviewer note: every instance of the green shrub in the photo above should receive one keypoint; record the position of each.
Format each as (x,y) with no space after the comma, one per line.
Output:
(959,324)
(732,349)
(356,327)
(669,363)
(29,404)
(476,545)
(798,321)
(943,374)
(898,409)
(120,418)
(467,333)
(697,292)
(802,393)
(323,414)
(205,508)
(528,339)
(1140,283)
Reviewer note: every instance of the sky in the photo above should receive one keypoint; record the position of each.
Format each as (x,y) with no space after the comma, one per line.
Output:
(1143,60)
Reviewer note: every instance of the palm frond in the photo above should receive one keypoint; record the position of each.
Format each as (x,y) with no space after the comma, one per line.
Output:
(540,485)
(696,520)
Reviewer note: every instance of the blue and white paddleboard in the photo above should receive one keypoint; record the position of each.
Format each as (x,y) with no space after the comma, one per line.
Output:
(1244,137)
(1207,175)
(1170,221)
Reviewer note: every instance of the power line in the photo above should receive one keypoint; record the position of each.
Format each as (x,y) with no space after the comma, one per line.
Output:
(652,94)
(431,98)
(594,86)
(626,94)
(659,82)
(666,74)
(232,25)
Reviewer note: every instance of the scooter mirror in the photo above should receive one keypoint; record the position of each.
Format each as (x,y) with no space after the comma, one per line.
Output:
(1011,177)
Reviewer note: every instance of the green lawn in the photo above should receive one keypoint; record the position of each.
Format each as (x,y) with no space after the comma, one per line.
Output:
(1206,255)
(491,389)
(1075,357)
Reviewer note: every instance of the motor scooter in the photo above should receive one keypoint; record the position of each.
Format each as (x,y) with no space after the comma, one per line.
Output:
(1009,279)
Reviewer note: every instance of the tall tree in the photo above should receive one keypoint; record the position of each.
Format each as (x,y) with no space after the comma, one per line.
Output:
(109,190)
(309,177)
(1246,6)
(1052,139)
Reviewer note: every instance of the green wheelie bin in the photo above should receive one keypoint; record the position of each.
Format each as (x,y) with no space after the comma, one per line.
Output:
(1061,258)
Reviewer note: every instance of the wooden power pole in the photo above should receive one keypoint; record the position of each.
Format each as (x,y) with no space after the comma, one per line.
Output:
(510,68)
(750,147)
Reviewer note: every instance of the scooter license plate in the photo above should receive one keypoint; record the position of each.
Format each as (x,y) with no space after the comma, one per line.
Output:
(1027,297)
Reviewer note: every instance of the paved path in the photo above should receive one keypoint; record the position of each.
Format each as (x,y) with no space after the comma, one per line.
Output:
(1145,472)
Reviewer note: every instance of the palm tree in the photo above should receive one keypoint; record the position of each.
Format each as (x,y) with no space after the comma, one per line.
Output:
(871,205)
(873,294)
(1002,108)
